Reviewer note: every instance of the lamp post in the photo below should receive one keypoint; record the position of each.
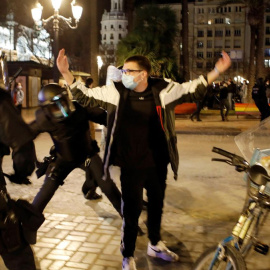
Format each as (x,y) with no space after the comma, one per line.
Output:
(56,18)
(100,64)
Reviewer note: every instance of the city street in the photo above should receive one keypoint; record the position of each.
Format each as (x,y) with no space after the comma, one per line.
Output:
(201,207)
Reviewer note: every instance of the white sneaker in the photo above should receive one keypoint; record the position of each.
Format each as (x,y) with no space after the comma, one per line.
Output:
(161,251)
(129,264)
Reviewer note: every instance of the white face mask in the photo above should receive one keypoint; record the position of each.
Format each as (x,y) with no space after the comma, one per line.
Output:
(128,81)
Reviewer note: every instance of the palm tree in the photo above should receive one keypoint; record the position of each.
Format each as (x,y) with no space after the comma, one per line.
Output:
(153,35)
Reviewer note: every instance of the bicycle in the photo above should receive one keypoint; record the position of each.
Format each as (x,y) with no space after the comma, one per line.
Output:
(231,252)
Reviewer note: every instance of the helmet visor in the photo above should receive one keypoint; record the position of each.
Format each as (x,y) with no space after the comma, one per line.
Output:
(59,108)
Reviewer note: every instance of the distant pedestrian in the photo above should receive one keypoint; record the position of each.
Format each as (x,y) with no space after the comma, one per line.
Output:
(267,91)
(18,96)
(231,93)
(224,103)
(243,92)
(200,105)
(260,99)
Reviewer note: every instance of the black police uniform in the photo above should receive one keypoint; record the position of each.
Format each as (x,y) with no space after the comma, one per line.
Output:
(14,133)
(260,99)
(73,145)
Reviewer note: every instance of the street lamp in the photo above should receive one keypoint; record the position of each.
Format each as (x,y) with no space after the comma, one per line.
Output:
(56,17)
(100,64)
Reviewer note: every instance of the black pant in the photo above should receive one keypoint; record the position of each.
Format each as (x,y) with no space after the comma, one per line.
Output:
(199,106)
(21,259)
(56,173)
(19,107)
(59,170)
(132,182)
(94,173)
(224,103)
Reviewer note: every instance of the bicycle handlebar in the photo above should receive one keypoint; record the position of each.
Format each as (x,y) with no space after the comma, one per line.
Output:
(223,152)
(240,163)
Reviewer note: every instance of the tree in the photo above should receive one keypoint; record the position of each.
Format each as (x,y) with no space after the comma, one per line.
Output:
(185,45)
(155,29)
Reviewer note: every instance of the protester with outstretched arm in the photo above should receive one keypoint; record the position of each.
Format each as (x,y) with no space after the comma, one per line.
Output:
(141,140)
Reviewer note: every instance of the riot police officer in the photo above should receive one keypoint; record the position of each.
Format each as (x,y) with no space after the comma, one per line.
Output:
(15,134)
(67,124)
(260,99)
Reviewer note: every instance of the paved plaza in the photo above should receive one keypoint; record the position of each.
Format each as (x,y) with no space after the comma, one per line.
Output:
(200,208)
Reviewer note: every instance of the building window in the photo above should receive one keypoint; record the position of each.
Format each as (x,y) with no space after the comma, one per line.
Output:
(227,32)
(267,41)
(120,26)
(219,20)
(120,36)
(200,33)
(237,44)
(199,44)
(267,63)
(209,65)
(227,43)
(225,9)
(199,65)
(217,54)
(104,37)
(105,27)
(267,52)
(111,26)
(209,44)
(111,37)
(218,33)
(267,19)
(229,9)
(200,54)
(209,33)
(267,31)
(237,32)
(218,43)
(209,55)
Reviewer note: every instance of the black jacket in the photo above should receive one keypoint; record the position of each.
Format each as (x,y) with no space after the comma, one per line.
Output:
(167,94)
(15,133)
(70,135)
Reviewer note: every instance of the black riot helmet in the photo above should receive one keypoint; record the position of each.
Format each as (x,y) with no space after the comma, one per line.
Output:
(55,101)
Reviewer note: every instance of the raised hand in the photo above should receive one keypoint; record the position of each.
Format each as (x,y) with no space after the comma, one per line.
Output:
(223,63)
(63,66)
(62,62)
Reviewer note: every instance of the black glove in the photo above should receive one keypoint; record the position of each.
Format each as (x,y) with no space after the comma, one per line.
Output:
(18,180)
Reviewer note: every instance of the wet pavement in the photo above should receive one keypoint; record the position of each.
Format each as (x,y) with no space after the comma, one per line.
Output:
(200,208)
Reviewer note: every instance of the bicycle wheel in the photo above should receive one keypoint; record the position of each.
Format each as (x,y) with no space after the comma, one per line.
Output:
(232,260)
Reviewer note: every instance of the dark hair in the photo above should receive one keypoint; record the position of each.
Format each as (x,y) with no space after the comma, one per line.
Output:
(142,61)
(88,81)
